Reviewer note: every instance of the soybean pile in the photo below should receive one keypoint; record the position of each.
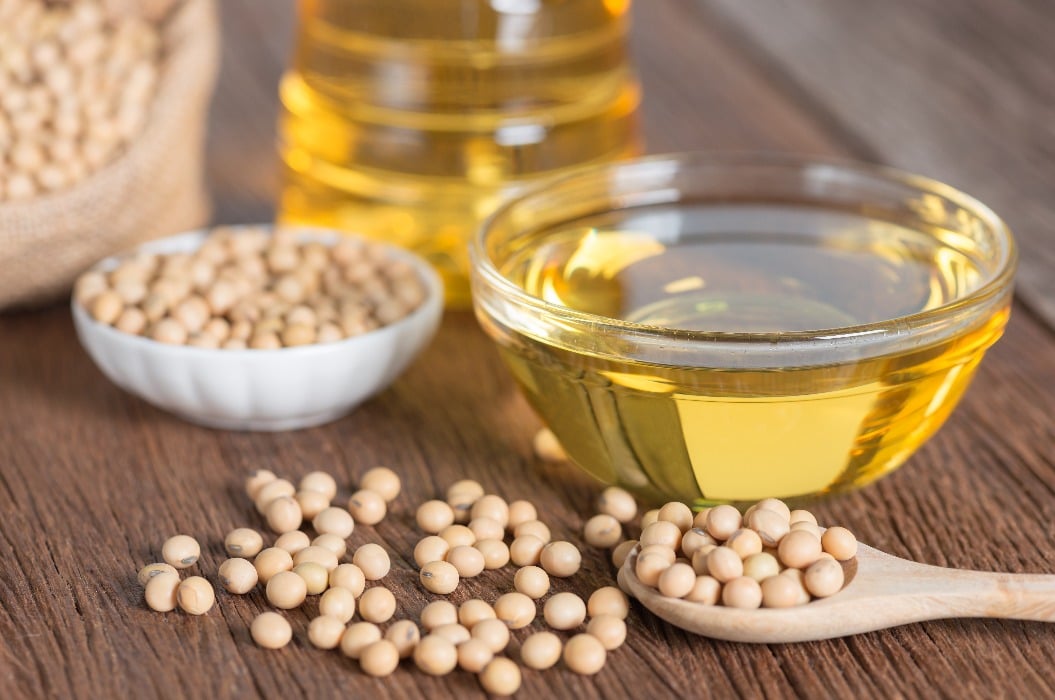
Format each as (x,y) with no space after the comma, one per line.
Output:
(245,288)
(464,533)
(769,556)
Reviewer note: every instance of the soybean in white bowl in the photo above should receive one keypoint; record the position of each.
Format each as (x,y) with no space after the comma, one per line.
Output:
(261,390)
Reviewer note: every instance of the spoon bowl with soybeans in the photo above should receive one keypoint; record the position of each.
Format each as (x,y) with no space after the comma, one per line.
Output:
(879,591)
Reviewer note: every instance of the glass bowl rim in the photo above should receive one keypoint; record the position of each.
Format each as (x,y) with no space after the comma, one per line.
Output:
(998,281)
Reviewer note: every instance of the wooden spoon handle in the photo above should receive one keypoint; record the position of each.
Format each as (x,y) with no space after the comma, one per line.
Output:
(931,592)
(1012,596)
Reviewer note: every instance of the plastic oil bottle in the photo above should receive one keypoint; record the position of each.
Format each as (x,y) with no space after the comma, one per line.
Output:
(411,120)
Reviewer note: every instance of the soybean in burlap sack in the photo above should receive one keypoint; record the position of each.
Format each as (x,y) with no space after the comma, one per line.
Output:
(153,188)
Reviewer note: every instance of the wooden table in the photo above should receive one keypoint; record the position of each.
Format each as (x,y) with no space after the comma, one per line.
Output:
(92,480)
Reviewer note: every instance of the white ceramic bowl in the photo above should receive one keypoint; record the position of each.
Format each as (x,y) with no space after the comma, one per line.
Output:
(269,390)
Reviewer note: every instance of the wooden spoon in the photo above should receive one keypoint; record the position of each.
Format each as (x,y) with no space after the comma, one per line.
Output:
(881,591)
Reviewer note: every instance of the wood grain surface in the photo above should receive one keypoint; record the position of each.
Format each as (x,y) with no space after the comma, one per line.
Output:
(92,480)
(962,91)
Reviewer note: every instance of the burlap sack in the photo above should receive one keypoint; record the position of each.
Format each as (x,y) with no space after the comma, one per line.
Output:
(154,188)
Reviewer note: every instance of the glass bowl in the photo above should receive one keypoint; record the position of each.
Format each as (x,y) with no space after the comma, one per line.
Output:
(729,328)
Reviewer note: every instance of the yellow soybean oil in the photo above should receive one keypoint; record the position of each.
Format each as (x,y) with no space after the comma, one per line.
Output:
(410,120)
(730,430)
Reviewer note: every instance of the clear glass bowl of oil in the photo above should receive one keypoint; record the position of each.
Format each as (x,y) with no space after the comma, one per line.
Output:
(724,329)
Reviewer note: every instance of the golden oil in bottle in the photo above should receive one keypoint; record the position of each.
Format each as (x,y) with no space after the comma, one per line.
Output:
(731,431)
(410,120)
